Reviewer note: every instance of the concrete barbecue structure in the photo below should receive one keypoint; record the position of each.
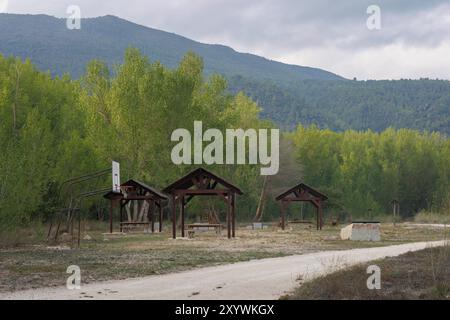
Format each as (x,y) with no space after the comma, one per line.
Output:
(362,231)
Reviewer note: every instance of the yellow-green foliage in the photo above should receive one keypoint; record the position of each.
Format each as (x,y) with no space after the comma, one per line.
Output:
(367,170)
(52,129)
(55,129)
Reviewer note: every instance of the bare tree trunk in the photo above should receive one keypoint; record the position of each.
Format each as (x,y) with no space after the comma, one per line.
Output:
(135,209)
(213,217)
(128,210)
(262,199)
(144,208)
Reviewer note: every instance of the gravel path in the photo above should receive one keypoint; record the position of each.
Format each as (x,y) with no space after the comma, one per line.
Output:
(428,225)
(257,279)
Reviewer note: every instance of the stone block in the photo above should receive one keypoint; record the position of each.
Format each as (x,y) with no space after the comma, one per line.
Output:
(367,231)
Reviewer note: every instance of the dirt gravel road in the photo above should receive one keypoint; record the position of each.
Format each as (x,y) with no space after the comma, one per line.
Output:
(428,225)
(264,279)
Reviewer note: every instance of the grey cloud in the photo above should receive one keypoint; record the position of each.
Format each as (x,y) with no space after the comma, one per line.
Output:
(297,23)
(275,28)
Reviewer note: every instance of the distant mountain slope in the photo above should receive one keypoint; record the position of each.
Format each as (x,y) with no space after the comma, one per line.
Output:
(359,105)
(51,46)
(288,94)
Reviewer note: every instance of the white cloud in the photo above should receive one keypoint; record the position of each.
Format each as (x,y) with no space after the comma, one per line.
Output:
(393,61)
(3,6)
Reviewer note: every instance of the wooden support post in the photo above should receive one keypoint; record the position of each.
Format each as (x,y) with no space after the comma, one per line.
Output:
(320,214)
(160,216)
(120,218)
(174,217)
(283,214)
(111,216)
(152,215)
(182,215)
(233,215)
(318,217)
(229,216)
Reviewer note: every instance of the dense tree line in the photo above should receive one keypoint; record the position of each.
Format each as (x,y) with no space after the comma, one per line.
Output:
(362,172)
(52,129)
(41,138)
(55,129)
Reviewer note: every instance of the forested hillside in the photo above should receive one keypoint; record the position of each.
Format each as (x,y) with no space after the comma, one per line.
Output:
(52,47)
(288,94)
(359,105)
(52,129)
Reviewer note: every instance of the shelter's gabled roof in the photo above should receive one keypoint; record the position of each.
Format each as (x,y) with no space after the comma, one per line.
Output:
(186,182)
(305,187)
(154,191)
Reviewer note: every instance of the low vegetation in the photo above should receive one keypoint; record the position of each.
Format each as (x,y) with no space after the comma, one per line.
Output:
(432,217)
(422,274)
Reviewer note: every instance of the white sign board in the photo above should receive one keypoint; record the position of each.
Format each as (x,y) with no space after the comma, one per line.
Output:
(116,177)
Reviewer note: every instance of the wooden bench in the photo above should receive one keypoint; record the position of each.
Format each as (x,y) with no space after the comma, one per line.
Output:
(191,227)
(300,221)
(127,225)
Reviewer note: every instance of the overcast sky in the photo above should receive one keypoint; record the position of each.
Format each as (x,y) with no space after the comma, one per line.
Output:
(413,42)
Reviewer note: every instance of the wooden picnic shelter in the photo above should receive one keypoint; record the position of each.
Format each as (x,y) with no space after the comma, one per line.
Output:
(202,182)
(145,200)
(301,192)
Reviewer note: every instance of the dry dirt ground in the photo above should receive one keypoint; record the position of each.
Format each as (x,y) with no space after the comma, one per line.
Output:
(257,279)
(39,265)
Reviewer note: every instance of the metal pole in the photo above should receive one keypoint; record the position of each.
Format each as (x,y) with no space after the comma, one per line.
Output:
(79,228)
(318,213)
(394,209)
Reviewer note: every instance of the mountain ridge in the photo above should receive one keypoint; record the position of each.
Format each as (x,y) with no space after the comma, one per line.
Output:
(109,31)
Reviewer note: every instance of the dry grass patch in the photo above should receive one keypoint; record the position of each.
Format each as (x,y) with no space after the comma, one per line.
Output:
(36,264)
(423,274)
